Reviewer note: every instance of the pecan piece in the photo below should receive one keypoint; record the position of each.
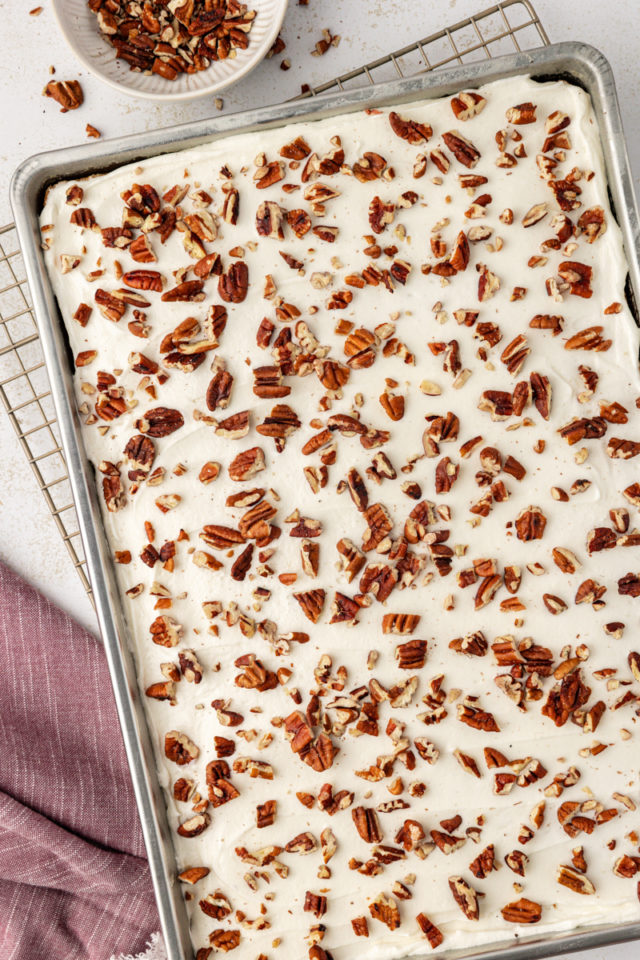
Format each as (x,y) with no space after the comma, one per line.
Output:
(400,623)
(577,276)
(574,880)
(231,206)
(165,631)
(195,825)
(379,524)
(479,719)
(112,487)
(215,905)
(628,585)
(269,222)
(380,214)
(160,422)
(522,113)
(619,449)
(409,130)
(466,897)
(522,911)
(224,940)
(462,149)
(299,221)
(459,258)
(385,909)
(467,105)
(588,339)
(179,748)
(429,929)
(411,655)
(592,223)
(219,389)
(530,524)
(311,603)
(367,824)
(188,290)
(488,283)
(234,283)
(268,174)
(68,93)
(298,149)
(484,863)
(247,464)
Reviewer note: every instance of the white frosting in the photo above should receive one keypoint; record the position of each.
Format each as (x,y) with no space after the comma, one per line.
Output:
(450,790)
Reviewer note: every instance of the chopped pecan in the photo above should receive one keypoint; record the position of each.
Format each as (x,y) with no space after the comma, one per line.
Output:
(467,105)
(380,214)
(429,929)
(484,863)
(385,909)
(195,825)
(215,905)
(179,748)
(270,218)
(522,113)
(466,897)
(311,602)
(299,221)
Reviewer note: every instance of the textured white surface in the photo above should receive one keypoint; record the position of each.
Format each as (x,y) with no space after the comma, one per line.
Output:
(29,541)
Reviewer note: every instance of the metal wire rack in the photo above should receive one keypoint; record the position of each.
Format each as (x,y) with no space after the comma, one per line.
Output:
(508,26)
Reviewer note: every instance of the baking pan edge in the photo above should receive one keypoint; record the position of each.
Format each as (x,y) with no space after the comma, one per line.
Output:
(576,62)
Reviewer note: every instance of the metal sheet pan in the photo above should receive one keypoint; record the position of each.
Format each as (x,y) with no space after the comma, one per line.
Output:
(575,62)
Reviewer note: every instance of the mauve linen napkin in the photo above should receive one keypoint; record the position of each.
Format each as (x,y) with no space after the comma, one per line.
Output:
(74,881)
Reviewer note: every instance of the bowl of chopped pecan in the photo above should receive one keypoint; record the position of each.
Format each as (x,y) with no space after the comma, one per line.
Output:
(175,50)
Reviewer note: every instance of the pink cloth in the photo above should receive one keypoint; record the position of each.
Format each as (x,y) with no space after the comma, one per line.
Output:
(74,881)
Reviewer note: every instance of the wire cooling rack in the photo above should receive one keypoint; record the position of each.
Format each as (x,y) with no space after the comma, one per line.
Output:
(24,387)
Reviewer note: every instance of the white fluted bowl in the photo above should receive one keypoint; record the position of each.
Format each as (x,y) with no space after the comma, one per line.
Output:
(79,26)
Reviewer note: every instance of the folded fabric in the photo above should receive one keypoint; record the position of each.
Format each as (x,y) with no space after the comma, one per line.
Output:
(74,881)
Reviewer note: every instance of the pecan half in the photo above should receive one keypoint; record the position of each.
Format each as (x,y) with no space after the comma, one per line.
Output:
(409,130)
(462,149)
(367,824)
(68,93)
(234,283)
(522,911)
(247,464)
(530,524)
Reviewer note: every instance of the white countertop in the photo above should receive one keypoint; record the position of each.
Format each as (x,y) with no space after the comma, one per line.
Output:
(29,541)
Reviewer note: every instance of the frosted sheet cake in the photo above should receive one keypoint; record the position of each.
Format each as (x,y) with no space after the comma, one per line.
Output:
(361,396)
